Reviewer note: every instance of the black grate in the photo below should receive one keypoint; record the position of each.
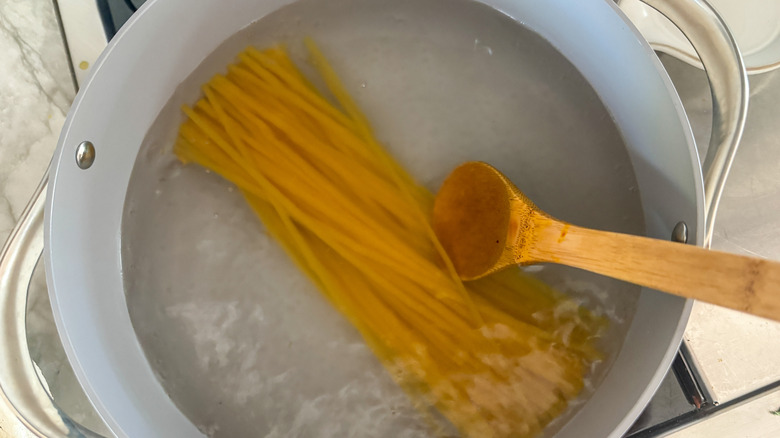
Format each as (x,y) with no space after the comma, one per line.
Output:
(114,14)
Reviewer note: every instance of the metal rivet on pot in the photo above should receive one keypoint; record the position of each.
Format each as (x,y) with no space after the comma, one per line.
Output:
(85,154)
(680,232)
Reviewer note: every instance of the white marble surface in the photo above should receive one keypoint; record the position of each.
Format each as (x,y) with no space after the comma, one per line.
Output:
(35,95)
(36,90)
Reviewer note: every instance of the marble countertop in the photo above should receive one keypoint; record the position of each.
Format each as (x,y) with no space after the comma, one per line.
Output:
(35,96)
(36,92)
(736,351)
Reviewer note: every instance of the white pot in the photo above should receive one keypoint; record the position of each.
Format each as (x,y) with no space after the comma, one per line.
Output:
(166,40)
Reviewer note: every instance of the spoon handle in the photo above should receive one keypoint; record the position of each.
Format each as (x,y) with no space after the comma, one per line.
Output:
(747,284)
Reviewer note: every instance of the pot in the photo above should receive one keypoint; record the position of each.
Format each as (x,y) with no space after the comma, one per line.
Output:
(148,68)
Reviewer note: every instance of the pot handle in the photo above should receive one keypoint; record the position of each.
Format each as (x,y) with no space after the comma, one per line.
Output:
(21,388)
(722,61)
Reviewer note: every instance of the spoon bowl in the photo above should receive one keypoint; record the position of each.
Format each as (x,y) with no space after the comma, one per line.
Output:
(471,217)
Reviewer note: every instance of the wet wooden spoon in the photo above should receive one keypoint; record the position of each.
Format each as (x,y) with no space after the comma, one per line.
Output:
(485,223)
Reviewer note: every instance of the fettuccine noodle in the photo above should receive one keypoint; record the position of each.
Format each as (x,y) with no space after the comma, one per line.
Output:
(499,357)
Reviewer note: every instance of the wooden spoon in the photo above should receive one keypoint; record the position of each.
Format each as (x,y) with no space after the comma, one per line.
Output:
(485,224)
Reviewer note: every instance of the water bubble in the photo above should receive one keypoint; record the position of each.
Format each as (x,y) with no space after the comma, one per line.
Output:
(478,45)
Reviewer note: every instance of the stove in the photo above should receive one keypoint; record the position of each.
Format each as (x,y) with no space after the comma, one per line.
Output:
(114,13)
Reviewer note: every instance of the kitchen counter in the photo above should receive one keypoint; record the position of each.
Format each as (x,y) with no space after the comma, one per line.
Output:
(35,95)
(736,353)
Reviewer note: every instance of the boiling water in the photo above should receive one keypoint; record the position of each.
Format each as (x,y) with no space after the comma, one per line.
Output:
(240,340)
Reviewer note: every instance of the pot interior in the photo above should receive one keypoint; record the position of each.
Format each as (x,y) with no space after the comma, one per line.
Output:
(240,340)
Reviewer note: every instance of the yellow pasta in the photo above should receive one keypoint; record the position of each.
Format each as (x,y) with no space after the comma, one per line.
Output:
(499,357)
